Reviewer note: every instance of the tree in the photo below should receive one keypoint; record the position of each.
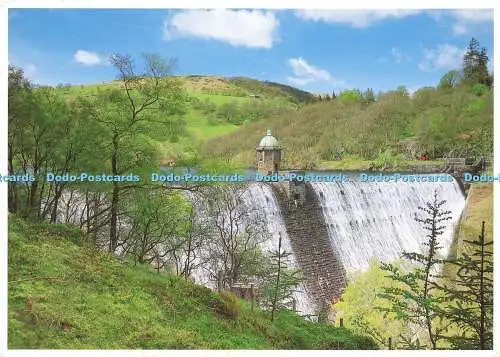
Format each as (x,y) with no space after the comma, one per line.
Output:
(197,232)
(350,95)
(19,93)
(471,296)
(147,102)
(156,222)
(369,96)
(356,308)
(237,232)
(450,80)
(281,281)
(333,94)
(475,64)
(416,302)
(41,137)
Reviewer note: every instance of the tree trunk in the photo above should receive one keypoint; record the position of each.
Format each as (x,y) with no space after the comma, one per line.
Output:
(113,236)
(55,204)
(275,300)
(12,188)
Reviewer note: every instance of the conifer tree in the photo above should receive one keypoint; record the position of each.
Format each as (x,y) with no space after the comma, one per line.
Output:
(475,64)
(471,297)
(416,302)
(278,290)
(369,96)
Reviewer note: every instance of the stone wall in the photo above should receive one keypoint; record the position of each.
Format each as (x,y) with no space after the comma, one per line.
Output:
(306,228)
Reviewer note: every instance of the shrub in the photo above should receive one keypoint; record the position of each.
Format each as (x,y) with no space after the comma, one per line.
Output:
(228,305)
(479,89)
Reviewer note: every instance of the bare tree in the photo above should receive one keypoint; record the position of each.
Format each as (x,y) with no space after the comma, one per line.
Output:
(237,232)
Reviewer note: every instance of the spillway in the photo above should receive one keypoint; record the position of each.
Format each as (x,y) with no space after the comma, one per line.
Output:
(342,226)
(338,230)
(368,220)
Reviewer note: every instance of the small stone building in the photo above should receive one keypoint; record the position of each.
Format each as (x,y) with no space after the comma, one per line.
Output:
(268,154)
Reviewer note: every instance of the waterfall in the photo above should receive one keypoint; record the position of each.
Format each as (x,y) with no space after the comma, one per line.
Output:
(377,220)
(261,204)
(364,220)
(261,198)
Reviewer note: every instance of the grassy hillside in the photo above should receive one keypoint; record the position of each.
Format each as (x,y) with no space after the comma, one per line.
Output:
(65,295)
(479,208)
(434,122)
(216,106)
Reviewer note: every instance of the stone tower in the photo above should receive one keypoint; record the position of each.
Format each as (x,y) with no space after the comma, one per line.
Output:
(268,154)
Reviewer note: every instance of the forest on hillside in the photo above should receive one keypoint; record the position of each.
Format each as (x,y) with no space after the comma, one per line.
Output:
(452,119)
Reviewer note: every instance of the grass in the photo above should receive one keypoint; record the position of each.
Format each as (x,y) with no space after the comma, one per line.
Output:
(64,294)
(202,129)
(216,90)
(479,208)
(354,163)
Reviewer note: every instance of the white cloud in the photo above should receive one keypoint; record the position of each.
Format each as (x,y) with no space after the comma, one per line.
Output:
(248,28)
(306,73)
(398,55)
(474,15)
(354,18)
(30,71)
(88,58)
(467,20)
(443,57)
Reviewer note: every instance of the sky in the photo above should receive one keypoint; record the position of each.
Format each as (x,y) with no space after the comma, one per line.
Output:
(315,50)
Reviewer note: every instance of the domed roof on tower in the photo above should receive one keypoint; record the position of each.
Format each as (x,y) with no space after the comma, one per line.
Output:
(269,141)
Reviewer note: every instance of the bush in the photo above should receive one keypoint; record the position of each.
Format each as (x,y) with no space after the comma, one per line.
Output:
(479,89)
(228,306)
(388,160)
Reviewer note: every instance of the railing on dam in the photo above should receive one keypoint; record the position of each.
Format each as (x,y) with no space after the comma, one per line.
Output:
(454,165)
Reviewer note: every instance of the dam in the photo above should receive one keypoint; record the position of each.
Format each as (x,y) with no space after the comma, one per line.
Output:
(331,228)
(335,229)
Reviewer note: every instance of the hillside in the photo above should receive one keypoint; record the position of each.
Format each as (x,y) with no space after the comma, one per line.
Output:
(434,122)
(244,87)
(65,295)
(215,106)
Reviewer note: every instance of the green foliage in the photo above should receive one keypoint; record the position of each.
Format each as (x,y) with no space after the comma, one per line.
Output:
(350,96)
(229,305)
(470,296)
(418,300)
(272,90)
(479,89)
(280,281)
(450,80)
(62,296)
(356,307)
(475,65)
(387,160)
(440,123)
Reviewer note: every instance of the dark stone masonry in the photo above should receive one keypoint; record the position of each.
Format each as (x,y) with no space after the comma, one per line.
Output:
(308,234)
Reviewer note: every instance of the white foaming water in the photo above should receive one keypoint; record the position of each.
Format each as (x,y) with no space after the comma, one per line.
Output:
(260,197)
(377,220)
(262,206)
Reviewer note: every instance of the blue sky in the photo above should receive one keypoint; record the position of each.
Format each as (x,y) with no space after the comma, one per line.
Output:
(317,50)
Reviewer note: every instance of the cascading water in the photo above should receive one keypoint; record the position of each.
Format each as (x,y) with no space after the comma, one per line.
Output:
(261,205)
(364,220)
(377,220)
(260,197)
